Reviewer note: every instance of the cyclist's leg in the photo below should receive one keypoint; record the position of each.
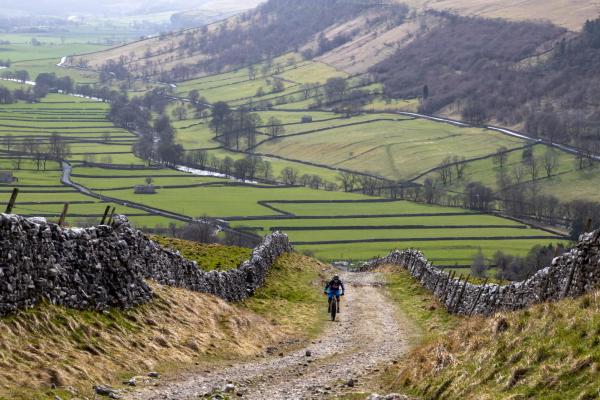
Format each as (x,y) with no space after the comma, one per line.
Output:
(329,300)
(337,295)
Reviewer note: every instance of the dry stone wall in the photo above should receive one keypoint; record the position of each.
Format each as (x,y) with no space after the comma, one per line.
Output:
(572,274)
(107,266)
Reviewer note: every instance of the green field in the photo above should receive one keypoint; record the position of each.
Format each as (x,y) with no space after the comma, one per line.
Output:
(393,149)
(566,181)
(237,88)
(331,224)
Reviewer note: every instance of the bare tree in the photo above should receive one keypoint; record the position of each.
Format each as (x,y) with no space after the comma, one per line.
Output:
(276,128)
(180,112)
(533,164)
(445,171)
(550,161)
(429,191)
(518,173)
(460,165)
(501,156)
(305,180)
(265,169)
(289,175)
(347,180)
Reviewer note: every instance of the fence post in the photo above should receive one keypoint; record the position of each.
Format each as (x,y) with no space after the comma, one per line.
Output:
(544,288)
(478,297)
(451,276)
(565,292)
(498,305)
(588,225)
(63,215)
(112,213)
(11,202)
(456,287)
(437,281)
(105,215)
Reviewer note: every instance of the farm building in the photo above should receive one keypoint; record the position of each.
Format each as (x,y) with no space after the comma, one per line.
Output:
(7,177)
(144,189)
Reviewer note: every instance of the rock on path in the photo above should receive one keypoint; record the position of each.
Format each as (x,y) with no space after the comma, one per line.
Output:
(367,336)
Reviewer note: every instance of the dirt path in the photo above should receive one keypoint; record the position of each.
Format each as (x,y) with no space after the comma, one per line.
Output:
(367,336)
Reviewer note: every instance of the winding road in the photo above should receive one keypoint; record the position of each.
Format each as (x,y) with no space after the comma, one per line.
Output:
(369,335)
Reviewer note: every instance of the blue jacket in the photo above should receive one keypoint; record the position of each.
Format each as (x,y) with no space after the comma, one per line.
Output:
(335,285)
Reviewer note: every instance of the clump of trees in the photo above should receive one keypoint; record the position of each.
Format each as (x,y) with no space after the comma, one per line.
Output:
(515,268)
(490,71)
(156,141)
(234,128)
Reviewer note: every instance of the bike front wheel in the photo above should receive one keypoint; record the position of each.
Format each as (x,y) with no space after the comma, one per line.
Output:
(334,306)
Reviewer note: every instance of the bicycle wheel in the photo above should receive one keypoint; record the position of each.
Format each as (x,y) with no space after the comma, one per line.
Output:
(334,305)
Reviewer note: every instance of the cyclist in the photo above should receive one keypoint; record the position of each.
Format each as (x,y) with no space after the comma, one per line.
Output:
(334,288)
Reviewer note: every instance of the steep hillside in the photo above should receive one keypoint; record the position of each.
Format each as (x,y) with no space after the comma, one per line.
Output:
(274,28)
(570,14)
(550,351)
(534,76)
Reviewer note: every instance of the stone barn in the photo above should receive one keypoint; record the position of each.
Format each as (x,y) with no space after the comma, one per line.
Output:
(7,177)
(144,189)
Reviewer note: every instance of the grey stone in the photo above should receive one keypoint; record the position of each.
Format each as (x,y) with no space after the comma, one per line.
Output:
(229,388)
(572,274)
(104,390)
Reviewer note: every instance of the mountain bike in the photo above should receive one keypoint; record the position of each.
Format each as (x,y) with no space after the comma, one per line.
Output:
(333,307)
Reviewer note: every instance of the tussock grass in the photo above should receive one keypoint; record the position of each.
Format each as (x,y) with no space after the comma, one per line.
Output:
(550,351)
(74,350)
(68,348)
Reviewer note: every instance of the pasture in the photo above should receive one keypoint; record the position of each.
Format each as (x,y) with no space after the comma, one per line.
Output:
(565,180)
(399,148)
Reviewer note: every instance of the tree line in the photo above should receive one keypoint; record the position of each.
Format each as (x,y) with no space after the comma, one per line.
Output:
(57,149)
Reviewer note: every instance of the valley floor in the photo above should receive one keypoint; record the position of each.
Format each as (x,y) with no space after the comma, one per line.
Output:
(368,336)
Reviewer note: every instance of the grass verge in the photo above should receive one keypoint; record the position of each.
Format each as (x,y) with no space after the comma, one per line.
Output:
(292,298)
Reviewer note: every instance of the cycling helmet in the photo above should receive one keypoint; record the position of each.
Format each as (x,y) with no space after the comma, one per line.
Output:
(336,278)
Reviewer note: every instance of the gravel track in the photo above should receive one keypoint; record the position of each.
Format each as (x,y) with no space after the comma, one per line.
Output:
(368,336)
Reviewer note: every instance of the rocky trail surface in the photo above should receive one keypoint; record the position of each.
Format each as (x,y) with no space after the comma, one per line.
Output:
(368,335)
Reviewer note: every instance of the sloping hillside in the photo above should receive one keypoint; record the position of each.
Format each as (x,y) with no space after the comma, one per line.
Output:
(550,351)
(570,14)
(534,76)
(53,351)
(274,28)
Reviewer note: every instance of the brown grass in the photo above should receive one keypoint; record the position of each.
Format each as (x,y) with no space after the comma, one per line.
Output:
(52,345)
(570,14)
(550,351)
